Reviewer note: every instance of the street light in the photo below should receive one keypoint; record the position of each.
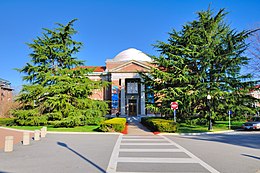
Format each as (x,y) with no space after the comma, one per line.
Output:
(210,123)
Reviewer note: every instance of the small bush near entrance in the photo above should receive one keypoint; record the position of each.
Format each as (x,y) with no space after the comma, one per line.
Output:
(113,125)
(159,124)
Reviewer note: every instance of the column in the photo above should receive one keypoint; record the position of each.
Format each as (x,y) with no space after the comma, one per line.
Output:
(9,144)
(26,138)
(37,135)
(122,110)
(142,99)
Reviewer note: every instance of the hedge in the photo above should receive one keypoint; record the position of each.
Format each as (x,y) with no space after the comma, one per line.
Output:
(113,125)
(159,124)
(6,121)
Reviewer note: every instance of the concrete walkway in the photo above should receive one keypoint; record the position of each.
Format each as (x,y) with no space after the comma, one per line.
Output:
(17,134)
(136,128)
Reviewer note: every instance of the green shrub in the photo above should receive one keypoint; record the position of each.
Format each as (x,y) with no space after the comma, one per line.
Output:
(197,121)
(94,120)
(240,117)
(6,121)
(29,118)
(113,125)
(160,124)
(71,121)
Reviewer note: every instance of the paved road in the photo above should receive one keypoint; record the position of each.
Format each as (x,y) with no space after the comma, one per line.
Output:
(18,135)
(61,153)
(237,152)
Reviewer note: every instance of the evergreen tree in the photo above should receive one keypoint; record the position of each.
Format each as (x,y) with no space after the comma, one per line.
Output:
(205,57)
(59,90)
(254,52)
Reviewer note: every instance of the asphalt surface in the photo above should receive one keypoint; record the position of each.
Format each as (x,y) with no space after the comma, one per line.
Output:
(236,152)
(61,153)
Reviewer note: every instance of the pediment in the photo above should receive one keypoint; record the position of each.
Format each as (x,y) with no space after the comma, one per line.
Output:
(132,66)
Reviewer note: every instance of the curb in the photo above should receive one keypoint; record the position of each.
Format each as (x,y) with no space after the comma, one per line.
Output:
(18,130)
(197,134)
(84,133)
(125,131)
(118,133)
(53,132)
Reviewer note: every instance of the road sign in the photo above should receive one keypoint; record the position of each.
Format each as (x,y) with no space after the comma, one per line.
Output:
(174,105)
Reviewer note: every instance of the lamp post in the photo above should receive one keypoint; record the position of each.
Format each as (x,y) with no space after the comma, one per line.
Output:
(210,123)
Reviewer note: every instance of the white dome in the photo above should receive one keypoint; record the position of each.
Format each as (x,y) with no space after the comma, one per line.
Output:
(132,54)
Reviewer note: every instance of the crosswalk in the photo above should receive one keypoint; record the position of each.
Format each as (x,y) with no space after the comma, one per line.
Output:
(153,154)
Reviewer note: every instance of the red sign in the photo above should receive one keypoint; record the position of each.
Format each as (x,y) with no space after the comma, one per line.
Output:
(174,105)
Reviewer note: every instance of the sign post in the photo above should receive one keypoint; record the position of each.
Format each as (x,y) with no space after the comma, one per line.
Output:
(174,106)
(229,115)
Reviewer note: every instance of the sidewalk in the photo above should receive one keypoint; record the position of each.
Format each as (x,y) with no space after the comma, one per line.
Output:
(17,134)
(136,128)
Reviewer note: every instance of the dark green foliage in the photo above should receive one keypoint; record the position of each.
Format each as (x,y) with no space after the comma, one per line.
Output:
(205,57)
(254,52)
(7,121)
(159,124)
(30,117)
(59,90)
(197,121)
(113,125)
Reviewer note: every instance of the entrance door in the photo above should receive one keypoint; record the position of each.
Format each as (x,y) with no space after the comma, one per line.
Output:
(132,107)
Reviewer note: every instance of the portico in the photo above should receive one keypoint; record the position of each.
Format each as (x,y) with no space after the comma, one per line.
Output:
(131,94)
(127,93)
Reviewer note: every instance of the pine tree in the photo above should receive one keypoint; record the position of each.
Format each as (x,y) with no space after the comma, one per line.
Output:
(59,91)
(254,53)
(205,57)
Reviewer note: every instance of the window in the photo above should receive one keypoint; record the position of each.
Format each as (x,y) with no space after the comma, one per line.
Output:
(132,88)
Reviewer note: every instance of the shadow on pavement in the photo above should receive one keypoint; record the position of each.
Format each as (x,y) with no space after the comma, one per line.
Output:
(254,157)
(89,161)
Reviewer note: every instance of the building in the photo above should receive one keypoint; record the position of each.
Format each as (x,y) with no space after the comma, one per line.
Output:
(126,92)
(6,96)
(256,94)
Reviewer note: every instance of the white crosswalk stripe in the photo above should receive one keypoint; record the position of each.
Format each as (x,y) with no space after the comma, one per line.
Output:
(149,150)
(157,139)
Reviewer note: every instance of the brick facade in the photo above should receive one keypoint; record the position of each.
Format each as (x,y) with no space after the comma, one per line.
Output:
(6,96)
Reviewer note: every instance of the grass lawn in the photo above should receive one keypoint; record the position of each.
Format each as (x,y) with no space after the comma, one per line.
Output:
(63,129)
(183,128)
(218,126)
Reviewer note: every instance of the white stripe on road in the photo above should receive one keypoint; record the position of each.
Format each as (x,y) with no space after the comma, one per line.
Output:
(153,172)
(156,160)
(146,144)
(205,165)
(152,137)
(150,150)
(112,165)
(159,139)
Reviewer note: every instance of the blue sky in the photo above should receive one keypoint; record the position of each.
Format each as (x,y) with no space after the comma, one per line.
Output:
(106,27)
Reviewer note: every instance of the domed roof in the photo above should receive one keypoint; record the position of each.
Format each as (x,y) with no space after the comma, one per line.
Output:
(131,54)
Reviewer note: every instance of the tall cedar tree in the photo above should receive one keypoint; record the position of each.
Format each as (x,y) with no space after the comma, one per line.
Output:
(59,90)
(254,52)
(205,57)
